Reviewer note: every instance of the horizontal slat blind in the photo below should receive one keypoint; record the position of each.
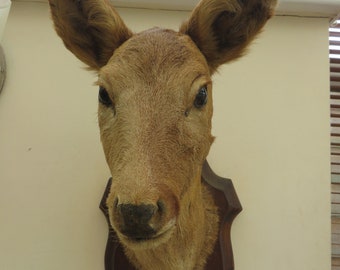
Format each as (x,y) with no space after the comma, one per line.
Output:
(334,55)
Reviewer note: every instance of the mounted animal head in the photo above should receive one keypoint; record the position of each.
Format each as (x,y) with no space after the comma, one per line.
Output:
(155,102)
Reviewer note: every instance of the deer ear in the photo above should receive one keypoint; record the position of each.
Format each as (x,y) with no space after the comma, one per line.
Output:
(222,29)
(90,29)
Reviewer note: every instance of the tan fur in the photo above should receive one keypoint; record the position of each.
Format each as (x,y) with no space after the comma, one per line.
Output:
(223,30)
(92,30)
(155,140)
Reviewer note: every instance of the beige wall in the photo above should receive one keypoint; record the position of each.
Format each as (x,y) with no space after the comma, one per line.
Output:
(271,123)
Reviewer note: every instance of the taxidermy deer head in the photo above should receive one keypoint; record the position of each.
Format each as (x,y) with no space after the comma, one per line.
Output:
(155,110)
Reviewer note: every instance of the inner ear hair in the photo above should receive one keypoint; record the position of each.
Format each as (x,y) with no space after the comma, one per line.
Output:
(90,29)
(223,29)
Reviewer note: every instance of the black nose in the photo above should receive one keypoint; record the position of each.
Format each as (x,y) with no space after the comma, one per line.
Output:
(136,220)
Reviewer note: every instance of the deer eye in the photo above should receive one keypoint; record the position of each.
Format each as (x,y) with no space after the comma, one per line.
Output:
(103,97)
(201,97)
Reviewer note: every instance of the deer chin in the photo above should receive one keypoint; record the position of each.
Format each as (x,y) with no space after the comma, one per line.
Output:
(139,243)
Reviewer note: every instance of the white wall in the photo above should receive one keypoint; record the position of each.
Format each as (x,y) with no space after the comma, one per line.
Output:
(271,123)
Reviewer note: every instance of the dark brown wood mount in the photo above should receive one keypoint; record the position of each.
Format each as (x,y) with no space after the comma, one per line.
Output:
(229,207)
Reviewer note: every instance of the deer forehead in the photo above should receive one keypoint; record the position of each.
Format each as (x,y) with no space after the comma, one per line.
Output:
(154,63)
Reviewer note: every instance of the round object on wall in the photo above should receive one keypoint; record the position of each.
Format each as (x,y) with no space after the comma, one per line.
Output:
(2,68)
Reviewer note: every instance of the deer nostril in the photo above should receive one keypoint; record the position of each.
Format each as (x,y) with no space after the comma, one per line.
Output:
(115,203)
(161,207)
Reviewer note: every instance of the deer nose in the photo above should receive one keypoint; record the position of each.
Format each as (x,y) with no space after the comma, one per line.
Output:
(135,220)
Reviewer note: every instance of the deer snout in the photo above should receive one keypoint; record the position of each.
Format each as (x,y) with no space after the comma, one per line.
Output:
(137,221)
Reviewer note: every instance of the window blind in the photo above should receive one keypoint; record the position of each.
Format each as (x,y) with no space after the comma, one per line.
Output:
(334,55)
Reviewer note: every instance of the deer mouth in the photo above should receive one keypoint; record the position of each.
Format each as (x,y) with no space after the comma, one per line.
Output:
(153,238)
(139,239)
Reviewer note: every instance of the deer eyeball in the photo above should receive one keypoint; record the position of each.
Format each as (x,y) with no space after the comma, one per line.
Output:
(201,97)
(103,97)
